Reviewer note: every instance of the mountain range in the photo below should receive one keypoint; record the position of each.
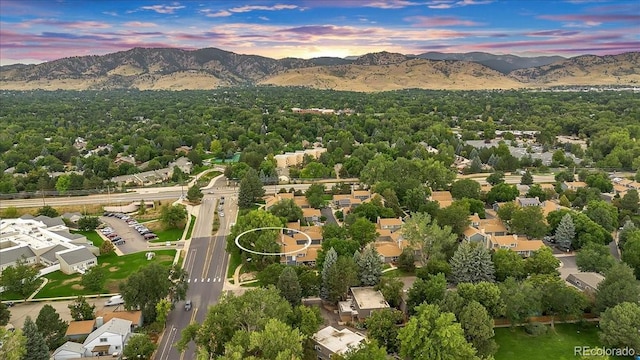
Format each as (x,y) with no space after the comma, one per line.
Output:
(176,69)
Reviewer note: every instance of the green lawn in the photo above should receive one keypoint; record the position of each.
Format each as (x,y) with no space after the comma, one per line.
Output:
(10,295)
(558,345)
(91,236)
(397,273)
(234,262)
(118,268)
(191,225)
(206,178)
(168,235)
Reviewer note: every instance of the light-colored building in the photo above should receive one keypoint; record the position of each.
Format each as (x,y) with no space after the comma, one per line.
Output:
(296,158)
(46,241)
(366,300)
(330,341)
(69,350)
(109,338)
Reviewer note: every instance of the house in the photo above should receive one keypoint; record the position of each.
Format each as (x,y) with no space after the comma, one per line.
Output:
(519,244)
(72,217)
(348,201)
(366,300)
(108,338)
(330,341)
(311,215)
(272,200)
(572,185)
(135,316)
(525,201)
(392,224)
(183,149)
(79,330)
(443,198)
(69,350)
(493,226)
(585,281)
(294,242)
(296,158)
(121,159)
(183,163)
(77,259)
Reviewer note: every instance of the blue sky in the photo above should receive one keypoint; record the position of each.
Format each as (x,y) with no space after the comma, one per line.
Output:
(33,31)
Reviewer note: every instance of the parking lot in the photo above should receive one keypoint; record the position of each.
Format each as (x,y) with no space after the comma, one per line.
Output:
(134,242)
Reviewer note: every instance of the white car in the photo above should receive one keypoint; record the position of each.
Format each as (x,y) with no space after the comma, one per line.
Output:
(115,300)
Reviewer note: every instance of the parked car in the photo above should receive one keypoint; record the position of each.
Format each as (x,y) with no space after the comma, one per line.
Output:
(116,239)
(119,242)
(112,236)
(114,300)
(150,236)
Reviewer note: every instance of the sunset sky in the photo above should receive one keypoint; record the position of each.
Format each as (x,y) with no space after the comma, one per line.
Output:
(33,31)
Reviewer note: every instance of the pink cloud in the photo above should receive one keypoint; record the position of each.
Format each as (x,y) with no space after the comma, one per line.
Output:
(221,13)
(139,24)
(437,21)
(68,24)
(550,33)
(595,18)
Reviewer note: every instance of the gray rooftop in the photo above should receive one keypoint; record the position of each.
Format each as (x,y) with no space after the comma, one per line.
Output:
(68,235)
(529,201)
(71,347)
(113,326)
(78,255)
(590,279)
(51,254)
(12,255)
(26,217)
(50,222)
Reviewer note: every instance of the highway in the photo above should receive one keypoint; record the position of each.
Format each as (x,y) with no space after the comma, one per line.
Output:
(206,262)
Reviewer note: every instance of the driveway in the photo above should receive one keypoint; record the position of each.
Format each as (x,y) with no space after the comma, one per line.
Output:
(328,213)
(568,265)
(21,310)
(134,242)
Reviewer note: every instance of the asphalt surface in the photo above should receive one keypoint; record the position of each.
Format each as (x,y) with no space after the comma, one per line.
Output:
(206,263)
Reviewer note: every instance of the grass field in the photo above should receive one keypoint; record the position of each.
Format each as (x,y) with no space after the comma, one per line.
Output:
(397,273)
(234,261)
(91,236)
(558,345)
(118,268)
(191,225)
(168,235)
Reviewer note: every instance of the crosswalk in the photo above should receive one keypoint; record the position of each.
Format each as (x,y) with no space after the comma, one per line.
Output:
(203,280)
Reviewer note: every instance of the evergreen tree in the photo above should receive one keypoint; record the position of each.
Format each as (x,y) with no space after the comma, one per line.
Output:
(329,260)
(370,267)
(36,345)
(565,232)
(471,263)
(51,326)
(250,189)
(289,286)
(527,178)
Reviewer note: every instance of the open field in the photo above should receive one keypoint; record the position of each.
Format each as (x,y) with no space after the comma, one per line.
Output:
(91,236)
(118,268)
(558,345)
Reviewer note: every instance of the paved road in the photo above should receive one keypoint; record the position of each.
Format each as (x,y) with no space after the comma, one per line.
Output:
(206,263)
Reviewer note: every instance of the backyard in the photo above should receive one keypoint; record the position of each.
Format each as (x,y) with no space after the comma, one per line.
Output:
(558,345)
(91,236)
(118,269)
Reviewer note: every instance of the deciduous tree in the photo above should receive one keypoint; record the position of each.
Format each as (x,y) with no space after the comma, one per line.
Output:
(620,326)
(478,328)
(430,291)
(432,334)
(529,221)
(433,240)
(20,278)
(542,261)
(173,216)
(315,195)
(139,346)
(81,309)
(47,211)
(618,286)
(391,289)
(14,344)
(521,300)
(508,263)
(94,278)
(194,194)
(363,231)
(631,252)
(382,326)
(287,209)
(594,258)
(465,189)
